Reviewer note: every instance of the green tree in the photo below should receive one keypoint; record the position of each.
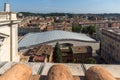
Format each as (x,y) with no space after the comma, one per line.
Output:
(76,28)
(57,55)
(84,30)
(91,61)
(88,29)
(91,29)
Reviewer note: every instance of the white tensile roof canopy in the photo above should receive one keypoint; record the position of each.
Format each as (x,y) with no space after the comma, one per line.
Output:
(36,38)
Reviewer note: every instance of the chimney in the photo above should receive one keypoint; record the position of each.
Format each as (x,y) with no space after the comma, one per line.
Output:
(6,7)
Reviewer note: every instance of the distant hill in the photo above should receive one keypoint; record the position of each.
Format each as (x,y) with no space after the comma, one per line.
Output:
(45,14)
(110,15)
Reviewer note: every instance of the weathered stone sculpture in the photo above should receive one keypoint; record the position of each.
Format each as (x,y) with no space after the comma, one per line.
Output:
(98,73)
(17,72)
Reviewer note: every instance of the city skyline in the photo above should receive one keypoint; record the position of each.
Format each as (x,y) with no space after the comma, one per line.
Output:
(67,6)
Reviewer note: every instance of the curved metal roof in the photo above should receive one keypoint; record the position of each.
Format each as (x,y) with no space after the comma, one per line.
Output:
(42,37)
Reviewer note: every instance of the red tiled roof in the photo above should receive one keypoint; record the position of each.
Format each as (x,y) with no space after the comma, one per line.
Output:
(39,58)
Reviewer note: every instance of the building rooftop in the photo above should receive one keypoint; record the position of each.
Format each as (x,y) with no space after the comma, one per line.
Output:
(114,30)
(32,39)
(45,49)
(36,54)
(81,49)
(39,50)
(39,58)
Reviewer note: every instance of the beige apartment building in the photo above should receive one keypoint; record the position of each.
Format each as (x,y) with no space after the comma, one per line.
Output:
(110,45)
(8,35)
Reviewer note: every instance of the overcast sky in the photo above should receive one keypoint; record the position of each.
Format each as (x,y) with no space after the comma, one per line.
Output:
(67,6)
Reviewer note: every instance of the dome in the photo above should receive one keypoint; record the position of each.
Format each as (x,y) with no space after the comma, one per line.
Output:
(17,72)
(59,72)
(98,73)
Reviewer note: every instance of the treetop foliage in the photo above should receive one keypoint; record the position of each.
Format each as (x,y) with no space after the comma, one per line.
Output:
(57,55)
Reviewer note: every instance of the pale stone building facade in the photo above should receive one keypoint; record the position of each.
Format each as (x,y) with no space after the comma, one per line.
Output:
(110,45)
(8,36)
